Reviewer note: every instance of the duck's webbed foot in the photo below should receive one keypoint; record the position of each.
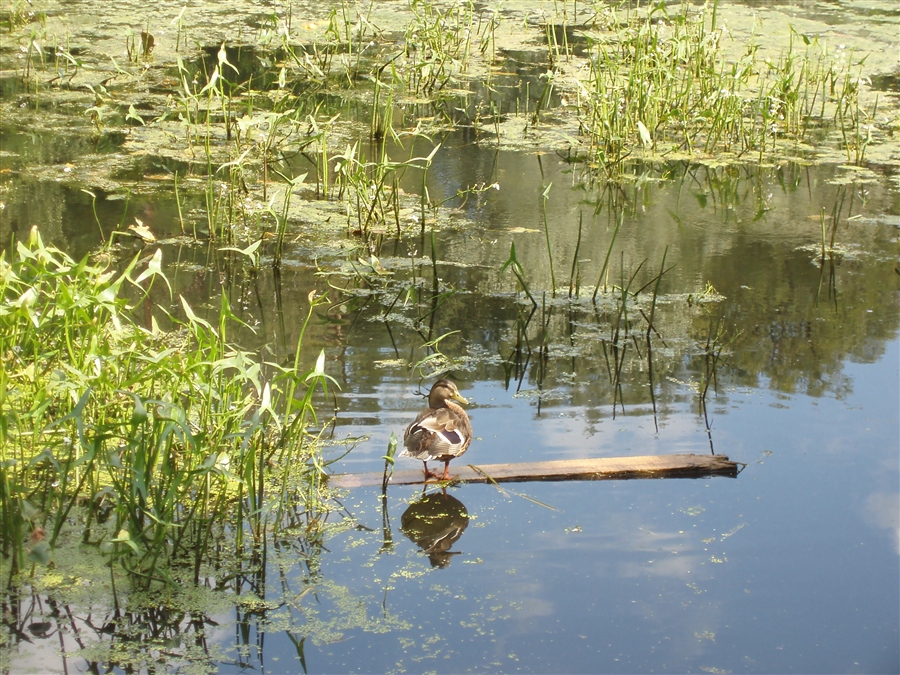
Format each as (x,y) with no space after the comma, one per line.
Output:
(430,474)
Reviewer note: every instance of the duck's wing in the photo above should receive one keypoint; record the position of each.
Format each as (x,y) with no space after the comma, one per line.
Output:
(437,433)
(448,424)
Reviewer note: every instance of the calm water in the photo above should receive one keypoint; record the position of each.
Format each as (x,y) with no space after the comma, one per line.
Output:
(790,567)
(793,566)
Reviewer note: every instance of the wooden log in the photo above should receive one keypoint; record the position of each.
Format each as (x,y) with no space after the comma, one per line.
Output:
(601,468)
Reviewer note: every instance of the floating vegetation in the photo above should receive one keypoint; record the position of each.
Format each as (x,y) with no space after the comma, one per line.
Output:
(251,123)
(664,82)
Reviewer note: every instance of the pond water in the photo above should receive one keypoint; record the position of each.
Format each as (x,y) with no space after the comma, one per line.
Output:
(775,341)
(790,567)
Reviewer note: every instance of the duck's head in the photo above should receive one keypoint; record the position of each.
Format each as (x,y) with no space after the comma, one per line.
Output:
(441,391)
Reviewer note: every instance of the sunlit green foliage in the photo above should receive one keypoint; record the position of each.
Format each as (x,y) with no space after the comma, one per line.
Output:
(664,80)
(140,441)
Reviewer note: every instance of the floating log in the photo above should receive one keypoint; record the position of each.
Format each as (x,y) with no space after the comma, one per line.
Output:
(601,468)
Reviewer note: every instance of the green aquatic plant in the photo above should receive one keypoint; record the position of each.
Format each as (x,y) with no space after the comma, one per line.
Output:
(662,78)
(370,188)
(150,436)
(574,274)
(601,278)
(545,195)
(281,219)
(435,362)
(518,271)
(438,44)
(20,13)
(714,353)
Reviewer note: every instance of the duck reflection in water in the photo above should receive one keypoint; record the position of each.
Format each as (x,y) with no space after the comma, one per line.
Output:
(433,522)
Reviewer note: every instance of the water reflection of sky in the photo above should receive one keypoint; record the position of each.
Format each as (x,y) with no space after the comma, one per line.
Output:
(791,567)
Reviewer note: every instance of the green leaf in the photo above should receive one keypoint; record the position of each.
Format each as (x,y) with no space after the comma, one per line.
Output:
(78,415)
(645,134)
(139,414)
(133,115)
(223,59)
(392,448)
(250,251)
(154,269)
(319,371)
(125,538)
(193,318)
(41,553)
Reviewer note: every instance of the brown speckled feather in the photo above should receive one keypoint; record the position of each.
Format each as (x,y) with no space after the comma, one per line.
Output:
(441,432)
(438,434)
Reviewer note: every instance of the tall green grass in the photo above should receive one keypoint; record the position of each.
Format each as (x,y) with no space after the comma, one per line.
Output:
(159,447)
(663,79)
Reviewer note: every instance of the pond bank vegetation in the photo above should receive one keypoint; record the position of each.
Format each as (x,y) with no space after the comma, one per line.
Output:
(162,449)
(256,123)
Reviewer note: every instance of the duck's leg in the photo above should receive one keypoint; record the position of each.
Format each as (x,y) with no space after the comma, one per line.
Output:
(429,474)
(446,475)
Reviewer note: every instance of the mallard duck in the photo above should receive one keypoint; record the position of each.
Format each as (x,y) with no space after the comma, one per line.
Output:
(441,432)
